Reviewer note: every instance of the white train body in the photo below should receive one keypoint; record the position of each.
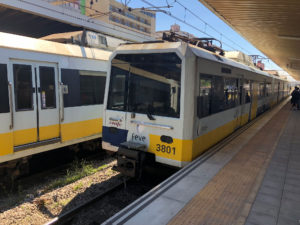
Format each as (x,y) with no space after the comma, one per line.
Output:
(51,95)
(175,100)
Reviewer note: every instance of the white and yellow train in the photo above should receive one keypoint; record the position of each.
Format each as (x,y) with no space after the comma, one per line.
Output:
(51,95)
(172,101)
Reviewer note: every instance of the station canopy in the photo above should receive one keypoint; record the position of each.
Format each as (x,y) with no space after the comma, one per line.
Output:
(23,23)
(272,26)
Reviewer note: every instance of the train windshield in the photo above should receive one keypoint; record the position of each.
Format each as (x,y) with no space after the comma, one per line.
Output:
(146,83)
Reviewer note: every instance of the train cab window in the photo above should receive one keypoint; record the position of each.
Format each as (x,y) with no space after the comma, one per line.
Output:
(23,87)
(47,86)
(118,88)
(4,101)
(146,83)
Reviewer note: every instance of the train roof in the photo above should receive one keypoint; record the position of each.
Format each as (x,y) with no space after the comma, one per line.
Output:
(181,47)
(18,42)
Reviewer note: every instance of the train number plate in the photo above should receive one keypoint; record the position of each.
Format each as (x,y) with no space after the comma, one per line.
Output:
(165,149)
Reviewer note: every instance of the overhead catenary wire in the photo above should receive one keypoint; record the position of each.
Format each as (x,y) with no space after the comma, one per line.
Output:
(207,24)
(188,24)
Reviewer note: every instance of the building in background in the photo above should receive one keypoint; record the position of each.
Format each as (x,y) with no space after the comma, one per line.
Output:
(113,12)
(174,28)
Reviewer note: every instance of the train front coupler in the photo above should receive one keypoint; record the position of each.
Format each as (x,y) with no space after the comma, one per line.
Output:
(131,158)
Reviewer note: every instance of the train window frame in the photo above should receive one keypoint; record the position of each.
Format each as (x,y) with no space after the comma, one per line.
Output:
(206,78)
(230,82)
(33,90)
(247,91)
(124,89)
(218,95)
(72,78)
(165,68)
(4,93)
(96,80)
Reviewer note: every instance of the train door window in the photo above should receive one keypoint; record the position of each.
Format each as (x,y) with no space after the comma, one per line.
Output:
(47,87)
(4,102)
(118,90)
(262,90)
(204,102)
(217,103)
(23,87)
(246,87)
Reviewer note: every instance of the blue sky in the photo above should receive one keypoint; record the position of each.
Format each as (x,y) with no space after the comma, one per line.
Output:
(229,37)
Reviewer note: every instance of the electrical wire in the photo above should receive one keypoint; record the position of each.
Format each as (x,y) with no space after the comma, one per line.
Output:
(207,24)
(188,24)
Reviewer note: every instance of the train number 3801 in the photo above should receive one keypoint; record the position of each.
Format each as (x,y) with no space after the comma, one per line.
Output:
(165,149)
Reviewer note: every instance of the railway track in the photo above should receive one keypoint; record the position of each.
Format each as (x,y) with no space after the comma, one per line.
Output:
(71,217)
(68,216)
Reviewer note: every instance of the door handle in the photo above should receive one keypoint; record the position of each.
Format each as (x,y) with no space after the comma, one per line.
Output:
(11,108)
(62,102)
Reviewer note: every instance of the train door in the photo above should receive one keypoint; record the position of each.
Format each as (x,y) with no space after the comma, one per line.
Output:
(48,104)
(36,105)
(254,99)
(242,103)
(250,95)
(114,131)
(278,91)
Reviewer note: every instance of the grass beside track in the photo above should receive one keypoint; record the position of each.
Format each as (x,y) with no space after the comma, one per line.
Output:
(76,172)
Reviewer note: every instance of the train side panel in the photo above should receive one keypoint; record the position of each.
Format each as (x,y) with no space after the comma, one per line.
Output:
(38,111)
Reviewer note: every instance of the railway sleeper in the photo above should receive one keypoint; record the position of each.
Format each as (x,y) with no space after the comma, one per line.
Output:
(131,159)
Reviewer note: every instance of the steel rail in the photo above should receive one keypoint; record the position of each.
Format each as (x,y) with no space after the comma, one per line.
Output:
(69,215)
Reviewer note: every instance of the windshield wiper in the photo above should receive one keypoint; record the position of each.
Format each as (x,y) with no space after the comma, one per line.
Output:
(149,112)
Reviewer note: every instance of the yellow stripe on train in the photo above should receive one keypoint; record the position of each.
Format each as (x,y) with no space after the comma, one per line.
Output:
(187,150)
(69,131)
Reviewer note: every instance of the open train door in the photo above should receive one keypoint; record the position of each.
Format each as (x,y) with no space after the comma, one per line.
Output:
(35,103)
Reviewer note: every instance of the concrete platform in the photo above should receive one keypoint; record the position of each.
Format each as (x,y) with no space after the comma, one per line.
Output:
(252,179)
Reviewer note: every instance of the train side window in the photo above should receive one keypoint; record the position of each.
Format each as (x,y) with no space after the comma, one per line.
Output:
(84,87)
(47,81)
(217,102)
(23,87)
(4,102)
(205,96)
(262,90)
(247,91)
(268,89)
(230,93)
(92,86)
(71,78)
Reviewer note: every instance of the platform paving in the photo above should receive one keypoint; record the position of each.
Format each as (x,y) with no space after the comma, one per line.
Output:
(227,198)
(278,198)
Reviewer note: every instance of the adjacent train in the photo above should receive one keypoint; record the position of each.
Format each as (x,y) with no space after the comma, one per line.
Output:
(171,101)
(51,95)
